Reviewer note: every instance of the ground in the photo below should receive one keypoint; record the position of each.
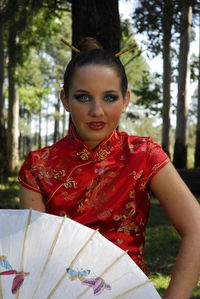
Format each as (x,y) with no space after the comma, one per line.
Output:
(162,241)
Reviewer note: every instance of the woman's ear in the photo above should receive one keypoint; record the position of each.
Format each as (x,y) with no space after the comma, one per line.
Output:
(64,100)
(126,101)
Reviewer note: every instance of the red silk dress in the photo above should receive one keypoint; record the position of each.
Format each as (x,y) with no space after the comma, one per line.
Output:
(105,189)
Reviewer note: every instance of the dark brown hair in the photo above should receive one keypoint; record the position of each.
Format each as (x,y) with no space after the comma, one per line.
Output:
(92,53)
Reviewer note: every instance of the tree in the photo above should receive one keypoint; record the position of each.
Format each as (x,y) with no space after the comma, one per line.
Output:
(155,17)
(2,96)
(167,21)
(98,19)
(180,148)
(197,147)
(19,18)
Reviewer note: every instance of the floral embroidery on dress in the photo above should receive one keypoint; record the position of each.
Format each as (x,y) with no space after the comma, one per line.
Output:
(154,149)
(132,194)
(66,196)
(126,219)
(44,154)
(58,174)
(136,175)
(105,214)
(70,182)
(84,154)
(96,190)
(102,154)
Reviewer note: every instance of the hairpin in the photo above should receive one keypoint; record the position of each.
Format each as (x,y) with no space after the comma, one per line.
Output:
(69,45)
(126,50)
(117,54)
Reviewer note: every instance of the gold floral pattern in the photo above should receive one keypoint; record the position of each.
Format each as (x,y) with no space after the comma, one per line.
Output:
(59,174)
(70,182)
(84,154)
(102,154)
(127,218)
(136,175)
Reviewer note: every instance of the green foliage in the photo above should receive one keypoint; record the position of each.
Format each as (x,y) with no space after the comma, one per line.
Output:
(145,88)
(133,61)
(31,80)
(149,94)
(194,67)
(148,19)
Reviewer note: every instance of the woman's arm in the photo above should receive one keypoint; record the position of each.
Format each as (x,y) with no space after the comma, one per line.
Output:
(30,199)
(184,213)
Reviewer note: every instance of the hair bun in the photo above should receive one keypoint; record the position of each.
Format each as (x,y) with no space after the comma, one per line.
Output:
(88,44)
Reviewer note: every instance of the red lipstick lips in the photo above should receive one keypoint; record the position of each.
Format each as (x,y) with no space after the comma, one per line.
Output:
(96,125)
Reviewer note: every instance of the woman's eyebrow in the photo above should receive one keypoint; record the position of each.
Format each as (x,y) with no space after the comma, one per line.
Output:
(111,91)
(80,90)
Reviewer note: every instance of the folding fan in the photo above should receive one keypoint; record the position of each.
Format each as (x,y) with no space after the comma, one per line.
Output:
(44,256)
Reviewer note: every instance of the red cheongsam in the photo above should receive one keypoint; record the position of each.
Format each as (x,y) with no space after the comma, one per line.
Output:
(105,189)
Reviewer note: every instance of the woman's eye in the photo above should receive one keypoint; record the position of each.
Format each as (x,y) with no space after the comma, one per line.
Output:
(82,97)
(110,98)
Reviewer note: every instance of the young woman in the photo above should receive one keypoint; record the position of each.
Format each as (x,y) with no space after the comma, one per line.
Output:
(101,177)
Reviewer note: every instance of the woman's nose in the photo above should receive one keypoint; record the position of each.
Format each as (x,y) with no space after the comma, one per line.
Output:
(96,109)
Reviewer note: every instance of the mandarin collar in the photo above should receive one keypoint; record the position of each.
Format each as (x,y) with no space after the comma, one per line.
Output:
(83,152)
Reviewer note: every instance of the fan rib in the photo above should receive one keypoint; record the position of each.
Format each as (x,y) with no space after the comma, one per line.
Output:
(72,263)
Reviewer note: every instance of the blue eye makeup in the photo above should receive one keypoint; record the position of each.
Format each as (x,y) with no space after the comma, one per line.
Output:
(82,97)
(110,98)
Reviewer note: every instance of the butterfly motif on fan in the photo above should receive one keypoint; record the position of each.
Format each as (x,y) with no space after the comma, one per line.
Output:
(73,274)
(98,284)
(19,275)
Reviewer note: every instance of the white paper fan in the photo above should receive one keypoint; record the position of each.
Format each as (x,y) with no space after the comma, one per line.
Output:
(45,256)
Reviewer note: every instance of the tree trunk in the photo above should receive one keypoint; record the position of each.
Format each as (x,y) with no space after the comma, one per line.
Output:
(2,115)
(99,19)
(13,106)
(197,146)
(56,135)
(13,122)
(47,124)
(180,149)
(167,25)
(64,124)
(39,127)
(2,119)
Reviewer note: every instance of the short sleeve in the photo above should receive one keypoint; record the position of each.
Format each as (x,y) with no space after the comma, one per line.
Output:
(27,175)
(156,159)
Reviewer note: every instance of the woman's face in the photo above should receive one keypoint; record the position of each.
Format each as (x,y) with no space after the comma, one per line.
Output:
(95,102)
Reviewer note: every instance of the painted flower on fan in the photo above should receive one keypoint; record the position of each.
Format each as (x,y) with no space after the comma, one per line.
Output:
(19,275)
(4,262)
(98,284)
(77,274)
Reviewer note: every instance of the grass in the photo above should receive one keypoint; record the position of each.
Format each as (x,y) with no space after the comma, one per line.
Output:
(162,244)
(9,194)
(162,241)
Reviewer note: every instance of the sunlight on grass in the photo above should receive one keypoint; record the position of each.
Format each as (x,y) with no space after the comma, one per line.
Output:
(160,282)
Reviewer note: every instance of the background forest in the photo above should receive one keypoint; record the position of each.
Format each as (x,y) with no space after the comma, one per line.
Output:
(32,64)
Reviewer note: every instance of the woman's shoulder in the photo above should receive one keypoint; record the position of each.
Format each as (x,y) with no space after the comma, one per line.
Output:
(49,151)
(136,140)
